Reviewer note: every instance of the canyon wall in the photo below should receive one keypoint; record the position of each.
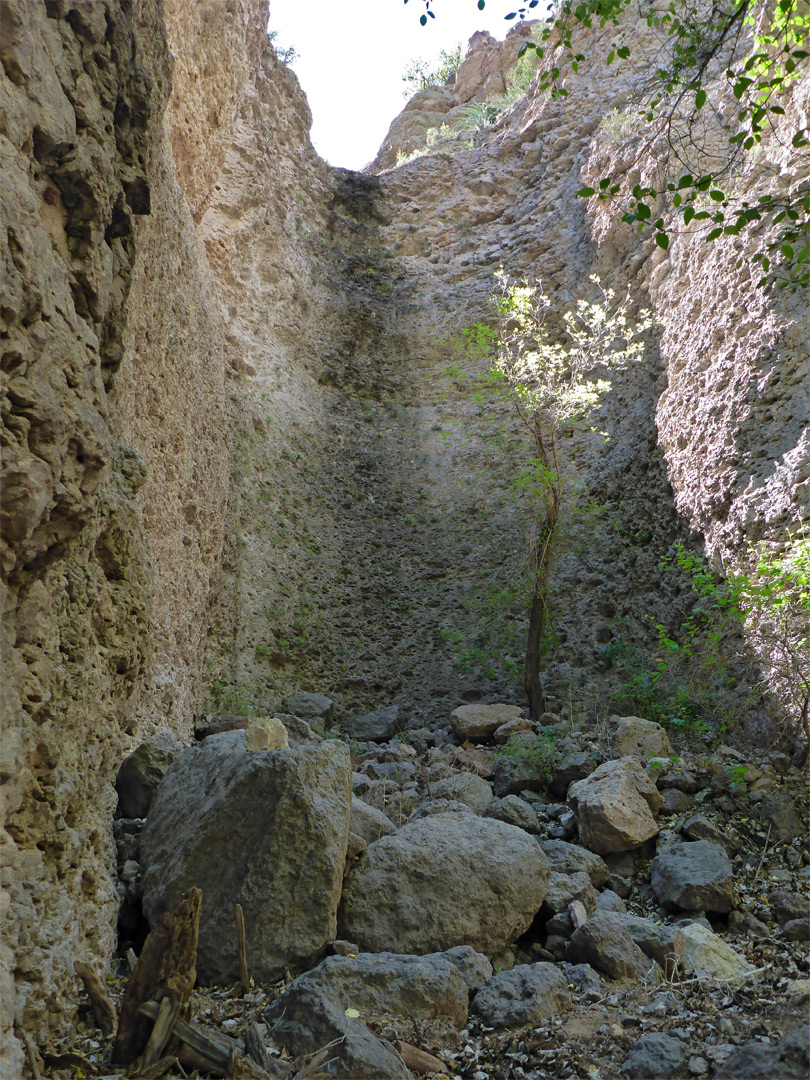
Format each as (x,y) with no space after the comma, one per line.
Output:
(241,456)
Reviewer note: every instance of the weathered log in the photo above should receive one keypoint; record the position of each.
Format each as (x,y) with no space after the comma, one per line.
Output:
(420,1061)
(159,1069)
(244,975)
(164,1024)
(167,967)
(255,1048)
(104,1012)
(214,1049)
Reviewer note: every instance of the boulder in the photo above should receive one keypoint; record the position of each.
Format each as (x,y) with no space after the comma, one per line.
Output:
(615,806)
(481,721)
(653,1057)
(309,1021)
(568,858)
(778,809)
(642,739)
(369,822)
(445,880)
(421,987)
(707,956)
(788,906)
(309,706)
(525,995)
(605,944)
(515,811)
(676,802)
(563,889)
(573,765)
(378,726)
(465,787)
(696,876)
(789,1060)
(664,944)
(141,772)
(265,830)
(610,901)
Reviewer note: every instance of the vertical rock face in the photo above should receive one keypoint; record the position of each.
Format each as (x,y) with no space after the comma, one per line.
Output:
(80,103)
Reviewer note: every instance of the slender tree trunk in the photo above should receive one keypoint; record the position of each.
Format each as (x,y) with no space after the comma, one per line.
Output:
(541,563)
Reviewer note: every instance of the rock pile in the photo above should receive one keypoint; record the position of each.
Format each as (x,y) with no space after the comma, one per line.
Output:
(384,885)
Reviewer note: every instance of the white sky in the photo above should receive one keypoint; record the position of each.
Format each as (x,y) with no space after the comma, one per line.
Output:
(352,55)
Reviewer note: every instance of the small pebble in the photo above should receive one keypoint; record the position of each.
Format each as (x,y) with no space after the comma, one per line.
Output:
(698,1066)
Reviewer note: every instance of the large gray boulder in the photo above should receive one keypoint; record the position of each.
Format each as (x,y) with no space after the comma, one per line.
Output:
(653,1057)
(788,1060)
(141,772)
(615,806)
(605,944)
(664,944)
(308,1021)
(524,995)
(444,880)
(436,986)
(377,726)
(568,858)
(694,877)
(267,830)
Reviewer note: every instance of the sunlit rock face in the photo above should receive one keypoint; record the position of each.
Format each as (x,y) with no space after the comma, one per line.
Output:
(235,466)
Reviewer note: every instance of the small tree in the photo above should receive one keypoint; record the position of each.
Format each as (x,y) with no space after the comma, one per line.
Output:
(421,74)
(552,387)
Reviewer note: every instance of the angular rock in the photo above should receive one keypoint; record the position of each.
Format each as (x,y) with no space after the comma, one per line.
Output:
(568,858)
(643,739)
(308,1021)
(512,727)
(423,987)
(141,772)
(797,930)
(377,726)
(265,830)
(605,944)
(698,827)
(565,888)
(465,787)
(789,1060)
(610,901)
(445,880)
(369,822)
(694,877)
(675,801)
(615,805)
(664,944)
(653,1057)
(778,809)
(525,995)
(309,706)
(481,721)
(266,733)
(515,811)
(709,957)
(512,775)
(584,979)
(788,906)
(575,765)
